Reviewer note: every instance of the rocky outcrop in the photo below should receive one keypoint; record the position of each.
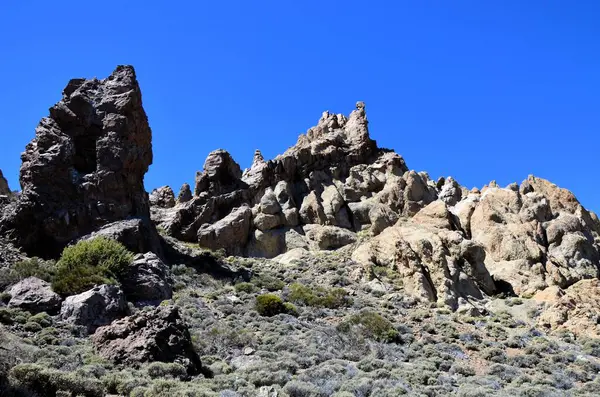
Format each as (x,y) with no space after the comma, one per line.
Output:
(536,235)
(575,309)
(135,234)
(156,335)
(35,296)
(4,189)
(185,194)
(163,197)
(433,259)
(95,308)
(85,167)
(334,176)
(147,280)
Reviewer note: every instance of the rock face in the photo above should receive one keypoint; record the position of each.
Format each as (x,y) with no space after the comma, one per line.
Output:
(4,189)
(135,234)
(163,197)
(157,335)
(536,235)
(335,176)
(85,167)
(35,296)
(147,279)
(94,308)
(434,260)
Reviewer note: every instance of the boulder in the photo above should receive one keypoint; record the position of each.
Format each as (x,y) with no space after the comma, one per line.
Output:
(221,175)
(185,194)
(85,167)
(162,197)
(155,335)
(328,237)
(230,233)
(95,308)
(35,296)
(147,280)
(137,235)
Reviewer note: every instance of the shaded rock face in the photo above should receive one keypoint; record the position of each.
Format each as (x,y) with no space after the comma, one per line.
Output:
(137,235)
(94,308)
(157,335)
(85,167)
(35,296)
(4,189)
(147,280)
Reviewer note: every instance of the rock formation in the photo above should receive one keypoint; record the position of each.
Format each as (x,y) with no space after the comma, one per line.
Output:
(85,167)
(334,176)
(34,295)
(95,308)
(4,189)
(157,335)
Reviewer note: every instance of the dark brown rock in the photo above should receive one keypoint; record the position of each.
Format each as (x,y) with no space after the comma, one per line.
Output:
(185,194)
(4,189)
(163,197)
(156,335)
(85,167)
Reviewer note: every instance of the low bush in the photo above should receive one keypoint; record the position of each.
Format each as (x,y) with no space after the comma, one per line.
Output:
(90,262)
(245,287)
(48,382)
(33,267)
(331,298)
(372,325)
(269,305)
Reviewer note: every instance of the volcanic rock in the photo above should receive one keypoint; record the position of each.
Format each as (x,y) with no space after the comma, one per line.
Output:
(35,296)
(85,167)
(147,279)
(156,335)
(95,308)
(162,197)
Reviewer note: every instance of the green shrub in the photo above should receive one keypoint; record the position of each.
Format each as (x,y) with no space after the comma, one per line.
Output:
(291,309)
(30,326)
(9,316)
(372,325)
(268,282)
(48,382)
(245,287)
(319,297)
(166,370)
(90,262)
(269,305)
(42,319)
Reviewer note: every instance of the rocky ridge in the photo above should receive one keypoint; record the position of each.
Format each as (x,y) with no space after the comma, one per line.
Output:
(340,231)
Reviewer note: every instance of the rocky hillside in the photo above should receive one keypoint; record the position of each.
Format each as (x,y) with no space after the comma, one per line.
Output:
(331,270)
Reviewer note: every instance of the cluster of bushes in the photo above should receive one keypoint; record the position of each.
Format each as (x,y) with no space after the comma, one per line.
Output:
(372,325)
(34,267)
(331,298)
(271,305)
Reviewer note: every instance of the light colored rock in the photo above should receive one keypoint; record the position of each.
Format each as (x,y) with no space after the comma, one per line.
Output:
(35,296)
(328,237)
(435,263)
(230,232)
(269,204)
(264,222)
(95,308)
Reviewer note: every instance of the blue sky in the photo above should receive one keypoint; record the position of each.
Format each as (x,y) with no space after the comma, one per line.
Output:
(480,90)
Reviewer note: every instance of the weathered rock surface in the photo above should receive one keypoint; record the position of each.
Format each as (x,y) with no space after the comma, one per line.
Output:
(136,234)
(156,335)
(536,235)
(85,167)
(147,280)
(95,308)
(575,309)
(35,296)
(162,197)
(434,260)
(4,189)
(185,194)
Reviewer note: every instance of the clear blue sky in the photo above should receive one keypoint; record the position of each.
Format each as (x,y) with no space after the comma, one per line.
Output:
(479,90)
